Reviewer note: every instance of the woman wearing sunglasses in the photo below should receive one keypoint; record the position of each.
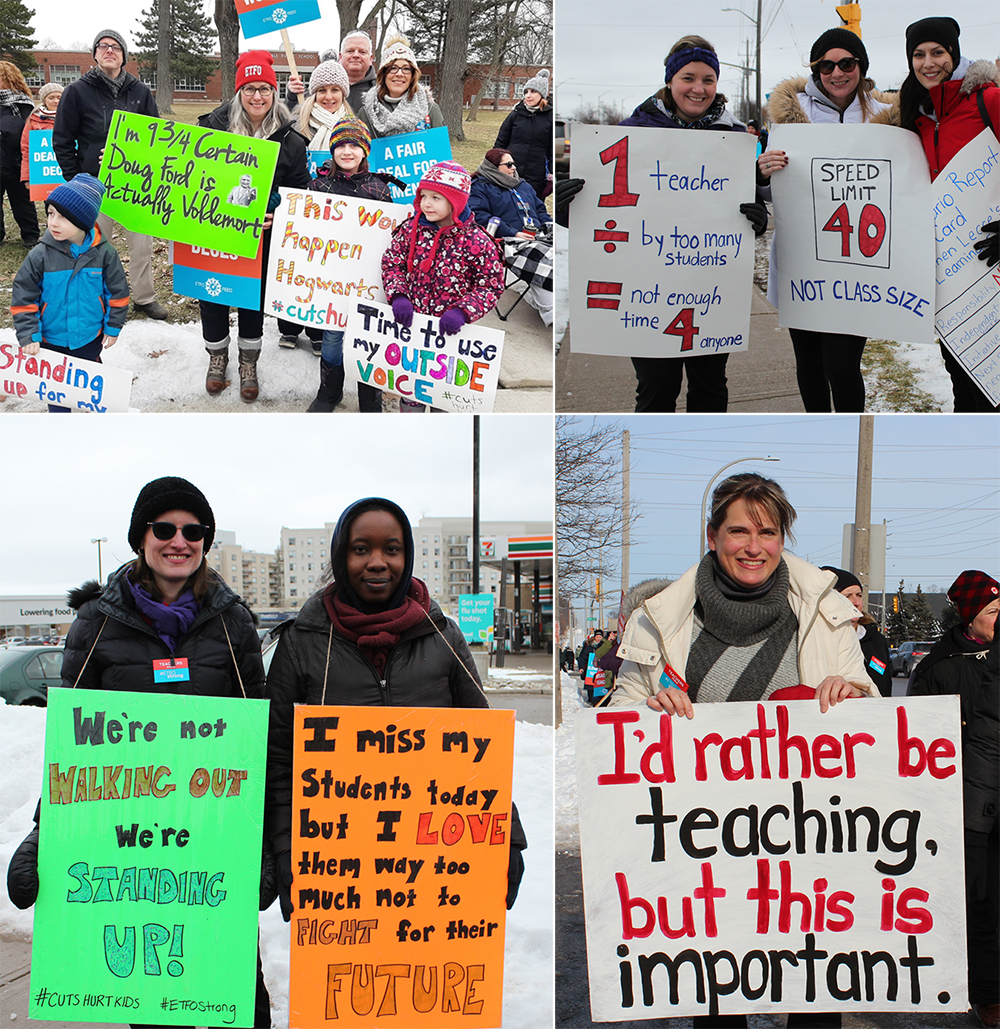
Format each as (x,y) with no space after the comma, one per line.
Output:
(168,603)
(255,110)
(839,92)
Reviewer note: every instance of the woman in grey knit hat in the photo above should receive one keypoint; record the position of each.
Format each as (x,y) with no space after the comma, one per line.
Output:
(526,134)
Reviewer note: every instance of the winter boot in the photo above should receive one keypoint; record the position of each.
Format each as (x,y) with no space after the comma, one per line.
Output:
(331,388)
(249,352)
(369,398)
(218,359)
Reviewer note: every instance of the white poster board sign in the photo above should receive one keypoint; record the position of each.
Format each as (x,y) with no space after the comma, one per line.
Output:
(767,857)
(326,251)
(853,230)
(967,298)
(65,381)
(420,363)
(662,258)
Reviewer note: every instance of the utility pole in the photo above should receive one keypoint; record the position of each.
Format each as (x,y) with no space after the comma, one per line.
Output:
(626,510)
(475,503)
(863,502)
(757,113)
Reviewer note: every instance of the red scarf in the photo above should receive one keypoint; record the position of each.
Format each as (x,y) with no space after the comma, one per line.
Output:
(376,633)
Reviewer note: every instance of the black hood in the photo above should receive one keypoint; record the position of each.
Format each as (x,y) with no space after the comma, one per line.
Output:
(338,548)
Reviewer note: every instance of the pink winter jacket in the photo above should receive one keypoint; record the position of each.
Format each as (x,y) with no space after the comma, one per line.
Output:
(35,121)
(466,271)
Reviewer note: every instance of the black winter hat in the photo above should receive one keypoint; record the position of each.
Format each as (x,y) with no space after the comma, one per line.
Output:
(117,37)
(170,493)
(839,39)
(934,30)
(844,578)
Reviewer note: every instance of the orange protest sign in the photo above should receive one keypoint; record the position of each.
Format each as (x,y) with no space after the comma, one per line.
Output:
(400,839)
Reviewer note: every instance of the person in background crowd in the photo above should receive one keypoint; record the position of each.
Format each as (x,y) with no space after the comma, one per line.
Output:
(839,92)
(254,110)
(439,261)
(874,646)
(42,118)
(347,173)
(525,227)
(398,103)
(526,133)
(16,107)
(947,100)
(955,663)
(83,120)
(981,782)
(591,643)
(165,603)
(355,58)
(324,107)
(371,635)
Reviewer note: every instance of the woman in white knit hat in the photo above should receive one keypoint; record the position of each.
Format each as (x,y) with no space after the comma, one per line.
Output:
(398,103)
(527,134)
(42,117)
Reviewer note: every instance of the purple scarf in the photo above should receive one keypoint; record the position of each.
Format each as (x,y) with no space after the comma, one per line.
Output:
(171,621)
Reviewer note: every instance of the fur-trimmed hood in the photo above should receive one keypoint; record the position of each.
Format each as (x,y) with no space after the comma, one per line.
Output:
(89,590)
(783,106)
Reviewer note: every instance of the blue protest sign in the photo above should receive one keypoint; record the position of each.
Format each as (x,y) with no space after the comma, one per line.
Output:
(408,157)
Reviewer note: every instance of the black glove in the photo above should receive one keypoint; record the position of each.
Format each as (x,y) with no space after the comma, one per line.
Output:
(989,248)
(22,872)
(285,885)
(756,215)
(268,876)
(515,870)
(566,189)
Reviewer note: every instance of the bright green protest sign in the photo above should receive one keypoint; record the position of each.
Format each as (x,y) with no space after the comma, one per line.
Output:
(149,859)
(187,183)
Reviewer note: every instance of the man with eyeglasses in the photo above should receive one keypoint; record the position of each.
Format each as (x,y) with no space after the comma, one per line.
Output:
(83,119)
(356,58)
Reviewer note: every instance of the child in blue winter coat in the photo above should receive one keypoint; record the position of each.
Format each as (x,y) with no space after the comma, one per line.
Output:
(71,295)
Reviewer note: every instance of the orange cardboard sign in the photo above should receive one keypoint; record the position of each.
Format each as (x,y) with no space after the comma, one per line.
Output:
(400,840)
(216,261)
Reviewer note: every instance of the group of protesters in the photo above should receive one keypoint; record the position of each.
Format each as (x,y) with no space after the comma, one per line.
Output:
(946,99)
(441,262)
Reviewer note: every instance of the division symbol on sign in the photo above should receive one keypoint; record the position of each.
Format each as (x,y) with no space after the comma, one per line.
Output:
(603,288)
(620,237)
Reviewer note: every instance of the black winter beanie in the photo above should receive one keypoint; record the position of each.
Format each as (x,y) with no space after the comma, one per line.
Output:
(934,30)
(839,39)
(338,548)
(844,578)
(170,493)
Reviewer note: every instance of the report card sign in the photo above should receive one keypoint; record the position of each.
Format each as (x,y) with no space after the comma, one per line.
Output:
(662,261)
(853,232)
(400,839)
(767,857)
(149,859)
(187,183)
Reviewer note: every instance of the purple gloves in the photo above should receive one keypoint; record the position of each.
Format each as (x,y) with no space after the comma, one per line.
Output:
(402,311)
(452,320)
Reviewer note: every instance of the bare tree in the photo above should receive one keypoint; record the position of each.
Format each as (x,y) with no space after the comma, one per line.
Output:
(350,14)
(164,73)
(454,66)
(504,25)
(594,114)
(588,500)
(228,23)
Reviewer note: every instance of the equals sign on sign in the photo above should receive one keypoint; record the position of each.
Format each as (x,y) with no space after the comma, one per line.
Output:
(612,237)
(597,294)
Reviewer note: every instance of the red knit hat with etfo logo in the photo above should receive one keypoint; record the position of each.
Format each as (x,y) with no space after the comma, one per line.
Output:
(971,592)
(255,66)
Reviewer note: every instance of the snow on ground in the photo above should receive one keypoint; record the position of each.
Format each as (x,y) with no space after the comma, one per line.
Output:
(931,374)
(519,678)
(567,816)
(529,969)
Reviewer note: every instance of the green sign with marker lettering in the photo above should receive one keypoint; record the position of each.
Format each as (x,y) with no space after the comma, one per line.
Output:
(188,183)
(149,859)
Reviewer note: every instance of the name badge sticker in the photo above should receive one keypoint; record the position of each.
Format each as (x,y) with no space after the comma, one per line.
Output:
(171,669)
(671,678)
(874,662)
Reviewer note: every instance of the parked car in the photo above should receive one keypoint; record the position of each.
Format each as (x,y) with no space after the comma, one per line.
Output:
(26,673)
(908,656)
(562,149)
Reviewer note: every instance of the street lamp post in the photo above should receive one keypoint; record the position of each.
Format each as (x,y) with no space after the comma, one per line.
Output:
(756,22)
(99,541)
(704,499)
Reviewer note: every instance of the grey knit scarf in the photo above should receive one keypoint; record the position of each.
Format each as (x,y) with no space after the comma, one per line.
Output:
(743,649)
(491,173)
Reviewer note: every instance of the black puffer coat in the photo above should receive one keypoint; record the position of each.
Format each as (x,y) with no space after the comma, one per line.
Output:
(291,169)
(981,759)
(124,654)
(421,671)
(84,115)
(526,134)
(955,664)
(875,645)
(12,119)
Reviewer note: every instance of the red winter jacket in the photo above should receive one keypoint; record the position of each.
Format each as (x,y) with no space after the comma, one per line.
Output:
(33,124)
(958,117)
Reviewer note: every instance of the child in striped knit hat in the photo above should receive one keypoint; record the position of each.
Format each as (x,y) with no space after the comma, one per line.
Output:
(439,261)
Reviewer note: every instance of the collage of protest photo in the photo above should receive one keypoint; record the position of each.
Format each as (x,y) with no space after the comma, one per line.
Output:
(221,220)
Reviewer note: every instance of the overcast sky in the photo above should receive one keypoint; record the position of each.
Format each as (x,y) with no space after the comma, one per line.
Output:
(935,480)
(615,49)
(259,472)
